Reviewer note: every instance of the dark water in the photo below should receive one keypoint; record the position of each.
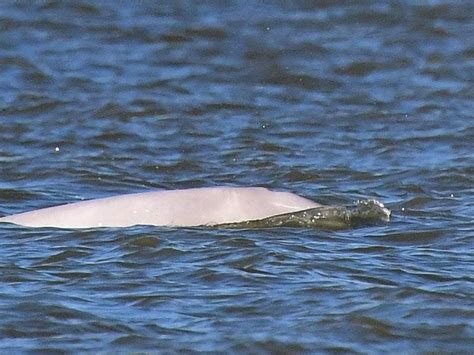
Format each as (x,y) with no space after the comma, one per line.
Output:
(335,101)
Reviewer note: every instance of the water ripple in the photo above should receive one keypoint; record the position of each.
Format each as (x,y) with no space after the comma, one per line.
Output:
(338,102)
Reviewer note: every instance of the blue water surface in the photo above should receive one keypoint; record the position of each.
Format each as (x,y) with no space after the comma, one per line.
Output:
(335,101)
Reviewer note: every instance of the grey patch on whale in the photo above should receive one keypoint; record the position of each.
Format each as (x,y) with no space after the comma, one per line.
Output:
(363,213)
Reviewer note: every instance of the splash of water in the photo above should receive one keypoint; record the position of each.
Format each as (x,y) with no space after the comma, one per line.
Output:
(363,213)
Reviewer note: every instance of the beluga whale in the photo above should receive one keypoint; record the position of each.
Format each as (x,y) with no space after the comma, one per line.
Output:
(222,207)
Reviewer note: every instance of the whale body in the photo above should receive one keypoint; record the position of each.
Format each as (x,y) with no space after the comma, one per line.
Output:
(177,208)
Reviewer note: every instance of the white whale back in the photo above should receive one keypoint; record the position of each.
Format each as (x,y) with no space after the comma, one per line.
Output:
(189,207)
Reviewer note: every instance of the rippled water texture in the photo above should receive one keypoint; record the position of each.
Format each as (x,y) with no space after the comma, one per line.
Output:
(335,101)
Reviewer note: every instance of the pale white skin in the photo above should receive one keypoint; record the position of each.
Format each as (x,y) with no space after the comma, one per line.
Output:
(179,208)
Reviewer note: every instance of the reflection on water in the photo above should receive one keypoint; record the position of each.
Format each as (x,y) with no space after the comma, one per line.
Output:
(335,101)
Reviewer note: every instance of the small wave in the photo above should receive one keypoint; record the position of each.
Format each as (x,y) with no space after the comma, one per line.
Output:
(363,213)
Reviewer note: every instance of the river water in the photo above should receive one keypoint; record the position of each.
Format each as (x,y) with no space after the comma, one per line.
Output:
(334,101)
